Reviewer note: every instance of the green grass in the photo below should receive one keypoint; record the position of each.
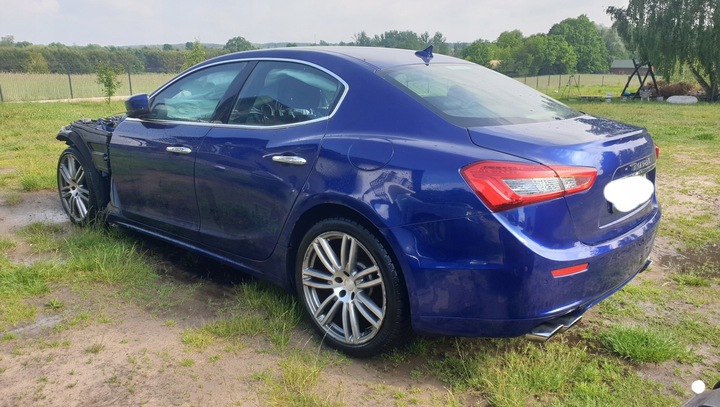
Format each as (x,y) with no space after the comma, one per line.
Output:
(83,257)
(643,345)
(676,314)
(296,382)
(260,310)
(516,373)
(567,85)
(29,153)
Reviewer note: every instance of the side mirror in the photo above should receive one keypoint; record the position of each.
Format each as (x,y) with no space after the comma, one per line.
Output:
(137,106)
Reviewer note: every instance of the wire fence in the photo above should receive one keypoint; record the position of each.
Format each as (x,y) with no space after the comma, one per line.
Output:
(25,87)
(585,85)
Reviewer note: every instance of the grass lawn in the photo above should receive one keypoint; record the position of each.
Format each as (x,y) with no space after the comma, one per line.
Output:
(641,347)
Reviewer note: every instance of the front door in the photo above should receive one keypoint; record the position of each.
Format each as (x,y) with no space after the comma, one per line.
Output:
(250,172)
(153,158)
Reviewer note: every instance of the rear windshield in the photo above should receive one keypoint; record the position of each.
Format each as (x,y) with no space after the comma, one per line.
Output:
(469,95)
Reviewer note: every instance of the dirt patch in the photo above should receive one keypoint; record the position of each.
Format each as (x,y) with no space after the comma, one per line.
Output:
(42,206)
(102,350)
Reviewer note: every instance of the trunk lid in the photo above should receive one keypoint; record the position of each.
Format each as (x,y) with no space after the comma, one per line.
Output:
(615,149)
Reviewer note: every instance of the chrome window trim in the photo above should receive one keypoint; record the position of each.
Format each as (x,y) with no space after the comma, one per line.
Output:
(246,126)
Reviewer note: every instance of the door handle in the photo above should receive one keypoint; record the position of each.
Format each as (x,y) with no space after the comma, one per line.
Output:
(178,150)
(289,159)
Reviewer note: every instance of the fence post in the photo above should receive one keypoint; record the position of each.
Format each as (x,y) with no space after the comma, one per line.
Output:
(2,100)
(537,82)
(129,78)
(70,82)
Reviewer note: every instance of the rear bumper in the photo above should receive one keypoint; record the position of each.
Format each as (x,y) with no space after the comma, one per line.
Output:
(511,292)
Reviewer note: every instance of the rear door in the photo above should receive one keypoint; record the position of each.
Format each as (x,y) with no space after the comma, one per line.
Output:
(153,159)
(250,171)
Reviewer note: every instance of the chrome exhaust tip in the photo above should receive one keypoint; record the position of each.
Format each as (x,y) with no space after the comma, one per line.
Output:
(548,329)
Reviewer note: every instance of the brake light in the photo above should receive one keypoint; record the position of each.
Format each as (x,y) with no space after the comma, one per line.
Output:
(505,185)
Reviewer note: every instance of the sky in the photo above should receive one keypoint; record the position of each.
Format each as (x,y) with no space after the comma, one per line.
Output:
(148,22)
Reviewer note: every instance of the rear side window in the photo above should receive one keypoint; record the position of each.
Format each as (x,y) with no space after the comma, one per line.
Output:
(280,93)
(470,95)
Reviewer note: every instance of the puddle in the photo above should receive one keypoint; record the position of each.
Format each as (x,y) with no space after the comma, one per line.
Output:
(43,206)
(43,322)
(689,259)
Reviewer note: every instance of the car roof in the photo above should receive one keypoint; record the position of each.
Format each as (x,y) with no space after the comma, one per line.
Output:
(373,58)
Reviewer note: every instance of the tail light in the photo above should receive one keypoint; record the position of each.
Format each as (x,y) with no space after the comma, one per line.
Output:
(657,151)
(505,185)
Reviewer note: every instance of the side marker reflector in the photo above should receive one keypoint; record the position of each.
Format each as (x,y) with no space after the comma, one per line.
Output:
(568,271)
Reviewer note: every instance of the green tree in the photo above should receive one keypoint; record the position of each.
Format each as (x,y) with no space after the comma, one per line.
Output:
(167,47)
(510,39)
(583,37)
(195,55)
(107,77)
(361,39)
(543,54)
(506,47)
(440,44)
(614,44)
(479,52)
(63,59)
(36,63)
(399,39)
(12,59)
(238,44)
(669,33)
(7,41)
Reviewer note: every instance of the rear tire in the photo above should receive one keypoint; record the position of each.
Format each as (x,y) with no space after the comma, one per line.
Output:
(351,289)
(80,188)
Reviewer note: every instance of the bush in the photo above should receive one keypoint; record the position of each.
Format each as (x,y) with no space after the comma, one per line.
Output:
(107,78)
(676,89)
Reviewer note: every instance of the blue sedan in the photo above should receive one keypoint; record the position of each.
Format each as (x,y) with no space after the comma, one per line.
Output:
(392,190)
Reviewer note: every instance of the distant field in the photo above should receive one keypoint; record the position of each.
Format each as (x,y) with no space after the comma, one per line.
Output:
(23,87)
(569,86)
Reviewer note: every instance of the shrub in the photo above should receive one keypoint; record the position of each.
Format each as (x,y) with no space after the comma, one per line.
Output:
(676,89)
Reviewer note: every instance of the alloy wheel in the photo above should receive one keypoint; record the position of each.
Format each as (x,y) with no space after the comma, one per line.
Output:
(343,287)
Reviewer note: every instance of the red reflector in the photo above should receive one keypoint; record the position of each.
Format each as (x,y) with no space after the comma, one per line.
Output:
(568,271)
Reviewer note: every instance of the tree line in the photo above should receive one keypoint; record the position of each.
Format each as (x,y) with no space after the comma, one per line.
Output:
(574,45)
(59,58)
(670,34)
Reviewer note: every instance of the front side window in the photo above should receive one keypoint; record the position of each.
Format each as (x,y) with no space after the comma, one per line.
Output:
(195,96)
(280,93)
(469,95)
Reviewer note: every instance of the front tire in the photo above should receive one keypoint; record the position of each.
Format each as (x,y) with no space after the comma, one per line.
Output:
(79,188)
(351,289)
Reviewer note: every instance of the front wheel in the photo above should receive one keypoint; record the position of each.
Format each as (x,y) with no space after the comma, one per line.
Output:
(351,288)
(79,188)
